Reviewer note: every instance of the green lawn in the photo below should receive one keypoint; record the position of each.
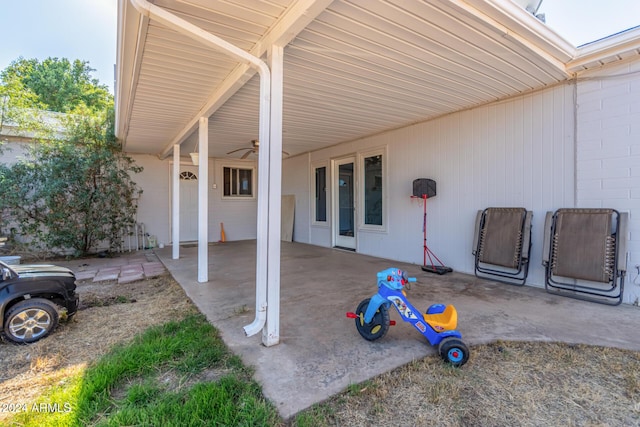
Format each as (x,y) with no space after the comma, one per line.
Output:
(176,374)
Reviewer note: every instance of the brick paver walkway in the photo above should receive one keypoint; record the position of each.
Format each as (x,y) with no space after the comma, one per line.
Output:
(126,267)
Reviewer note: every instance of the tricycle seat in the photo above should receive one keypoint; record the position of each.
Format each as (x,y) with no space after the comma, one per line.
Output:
(445,321)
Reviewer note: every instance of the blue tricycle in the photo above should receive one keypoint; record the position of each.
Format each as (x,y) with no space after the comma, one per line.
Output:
(438,324)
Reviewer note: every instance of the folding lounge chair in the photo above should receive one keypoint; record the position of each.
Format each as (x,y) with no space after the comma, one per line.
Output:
(584,254)
(501,244)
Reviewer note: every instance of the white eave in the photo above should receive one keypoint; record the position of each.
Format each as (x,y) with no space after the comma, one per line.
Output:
(352,68)
(617,47)
(534,31)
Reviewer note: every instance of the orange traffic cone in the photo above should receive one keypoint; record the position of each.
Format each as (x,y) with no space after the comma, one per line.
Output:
(223,238)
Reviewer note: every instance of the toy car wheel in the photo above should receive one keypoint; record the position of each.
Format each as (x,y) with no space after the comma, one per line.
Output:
(453,351)
(378,326)
(30,320)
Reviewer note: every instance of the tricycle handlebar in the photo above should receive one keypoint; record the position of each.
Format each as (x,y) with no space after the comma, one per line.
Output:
(394,278)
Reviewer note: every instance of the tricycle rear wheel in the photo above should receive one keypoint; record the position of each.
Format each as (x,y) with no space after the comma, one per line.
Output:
(453,351)
(378,326)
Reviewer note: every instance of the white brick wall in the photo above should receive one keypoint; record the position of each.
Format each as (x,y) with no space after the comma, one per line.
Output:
(608,151)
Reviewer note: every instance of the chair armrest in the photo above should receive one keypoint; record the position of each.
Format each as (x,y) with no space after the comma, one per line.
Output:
(546,245)
(476,233)
(621,236)
(526,237)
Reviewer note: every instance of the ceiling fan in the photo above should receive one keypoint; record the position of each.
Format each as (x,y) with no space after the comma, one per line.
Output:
(255,145)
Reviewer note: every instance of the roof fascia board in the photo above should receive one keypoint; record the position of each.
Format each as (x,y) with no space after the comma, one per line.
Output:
(129,58)
(118,89)
(292,22)
(528,25)
(617,47)
(522,29)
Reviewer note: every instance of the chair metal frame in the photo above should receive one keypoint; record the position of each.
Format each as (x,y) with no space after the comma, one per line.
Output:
(611,292)
(513,276)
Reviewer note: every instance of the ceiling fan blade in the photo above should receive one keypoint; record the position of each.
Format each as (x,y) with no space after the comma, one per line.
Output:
(239,149)
(255,150)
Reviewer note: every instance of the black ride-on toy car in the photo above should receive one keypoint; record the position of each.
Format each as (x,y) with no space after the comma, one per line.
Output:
(32,299)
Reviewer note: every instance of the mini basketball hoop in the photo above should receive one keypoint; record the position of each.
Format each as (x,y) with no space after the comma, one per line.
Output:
(424,188)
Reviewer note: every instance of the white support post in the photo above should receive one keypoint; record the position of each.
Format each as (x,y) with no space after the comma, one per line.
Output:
(271,331)
(166,18)
(203,200)
(175,203)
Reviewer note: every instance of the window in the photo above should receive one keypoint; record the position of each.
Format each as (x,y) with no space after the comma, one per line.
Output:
(188,176)
(238,182)
(321,194)
(373,182)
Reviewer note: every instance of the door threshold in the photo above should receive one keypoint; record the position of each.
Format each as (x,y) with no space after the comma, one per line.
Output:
(344,248)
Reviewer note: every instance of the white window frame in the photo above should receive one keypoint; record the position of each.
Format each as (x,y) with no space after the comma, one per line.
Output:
(380,151)
(238,165)
(312,193)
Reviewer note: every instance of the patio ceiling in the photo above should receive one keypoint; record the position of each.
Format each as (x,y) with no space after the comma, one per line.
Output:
(351,68)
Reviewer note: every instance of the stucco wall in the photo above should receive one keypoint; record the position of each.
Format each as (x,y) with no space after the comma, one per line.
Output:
(154,206)
(296,181)
(608,150)
(239,214)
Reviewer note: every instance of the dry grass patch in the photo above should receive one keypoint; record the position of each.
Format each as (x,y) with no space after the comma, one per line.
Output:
(523,384)
(110,314)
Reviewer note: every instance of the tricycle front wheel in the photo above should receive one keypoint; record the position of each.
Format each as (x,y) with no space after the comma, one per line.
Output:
(453,351)
(378,326)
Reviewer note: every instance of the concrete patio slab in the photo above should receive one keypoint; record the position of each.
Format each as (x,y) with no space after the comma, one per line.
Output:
(321,353)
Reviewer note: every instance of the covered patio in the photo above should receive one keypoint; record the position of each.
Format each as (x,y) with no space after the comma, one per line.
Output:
(477,94)
(320,351)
